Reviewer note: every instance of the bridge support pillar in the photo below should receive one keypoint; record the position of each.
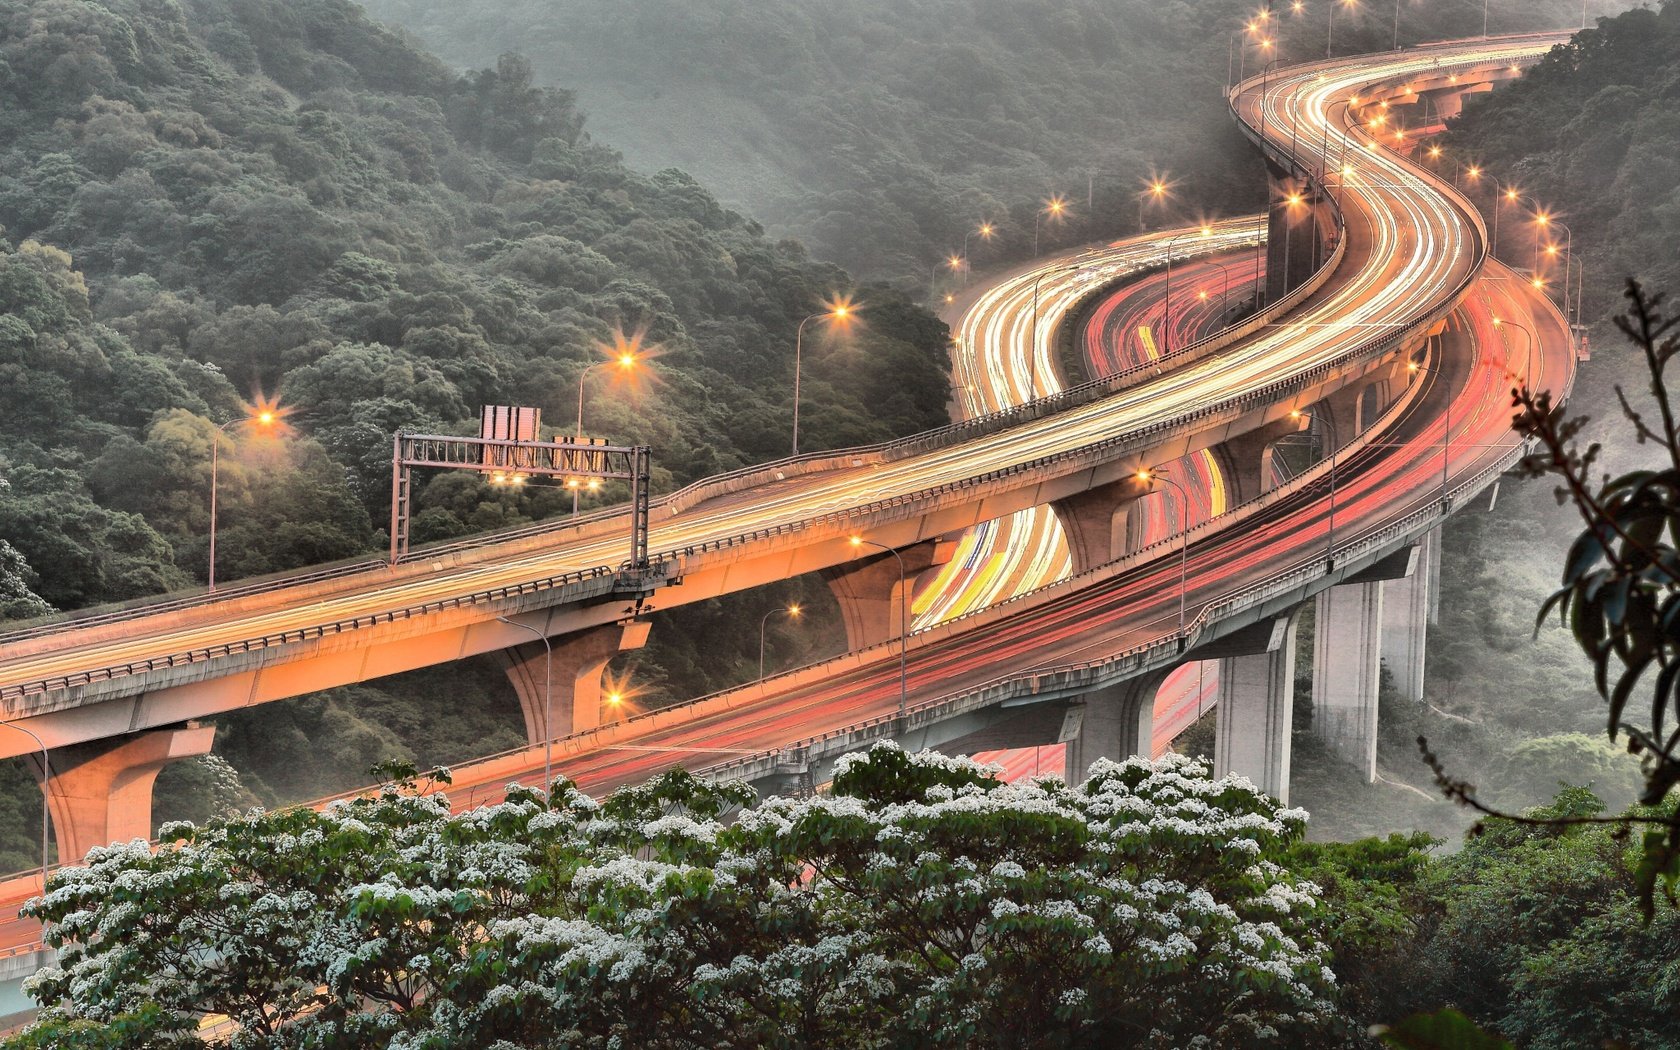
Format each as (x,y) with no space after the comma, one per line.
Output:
(1347,668)
(1255,715)
(1246,459)
(101,792)
(1098,522)
(578,662)
(870,589)
(1115,722)
(1405,622)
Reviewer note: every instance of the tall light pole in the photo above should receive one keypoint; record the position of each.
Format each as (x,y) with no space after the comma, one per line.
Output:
(1501,194)
(1502,324)
(1032,336)
(1156,192)
(46,783)
(839,312)
(1205,231)
(903,622)
(548,698)
(625,361)
(265,418)
(984,230)
(1446,419)
(1544,220)
(1053,208)
(791,612)
(1151,476)
(1396,25)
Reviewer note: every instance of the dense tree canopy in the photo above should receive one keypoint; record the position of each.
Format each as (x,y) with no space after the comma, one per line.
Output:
(922,903)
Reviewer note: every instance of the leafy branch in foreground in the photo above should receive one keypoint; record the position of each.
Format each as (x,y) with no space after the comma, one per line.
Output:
(1620,593)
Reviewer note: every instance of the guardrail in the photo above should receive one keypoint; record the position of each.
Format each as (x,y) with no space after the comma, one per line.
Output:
(928,441)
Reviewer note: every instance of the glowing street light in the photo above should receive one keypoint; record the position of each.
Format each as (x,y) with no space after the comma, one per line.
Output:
(792,612)
(1054,207)
(1330,35)
(903,621)
(1150,476)
(262,417)
(625,358)
(840,311)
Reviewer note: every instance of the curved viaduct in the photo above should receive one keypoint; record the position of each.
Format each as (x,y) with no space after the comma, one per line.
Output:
(1410,253)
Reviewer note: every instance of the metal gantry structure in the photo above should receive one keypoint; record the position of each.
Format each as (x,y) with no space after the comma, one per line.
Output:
(506,453)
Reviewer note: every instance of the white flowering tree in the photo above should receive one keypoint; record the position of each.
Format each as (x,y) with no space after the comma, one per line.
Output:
(920,903)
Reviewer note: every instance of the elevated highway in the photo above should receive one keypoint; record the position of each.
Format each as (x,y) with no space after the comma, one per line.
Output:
(1410,250)
(1402,281)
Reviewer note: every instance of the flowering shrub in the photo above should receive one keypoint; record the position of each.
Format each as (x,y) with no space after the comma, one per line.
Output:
(921,902)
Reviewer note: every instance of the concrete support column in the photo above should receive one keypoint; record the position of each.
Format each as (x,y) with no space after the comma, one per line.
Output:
(1405,623)
(1347,667)
(1098,522)
(1432,568)
(1246,459)
(870,589)
(578,662)
(101,792)
(1115,722)
(1255,714)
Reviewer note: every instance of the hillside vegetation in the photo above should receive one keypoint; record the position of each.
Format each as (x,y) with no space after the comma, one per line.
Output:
(881,131)
(215,202)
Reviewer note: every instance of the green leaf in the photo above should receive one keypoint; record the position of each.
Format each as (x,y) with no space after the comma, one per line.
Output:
(1445,1030)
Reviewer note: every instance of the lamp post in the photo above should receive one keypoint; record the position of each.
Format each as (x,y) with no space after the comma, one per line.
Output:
(1501,194)
(1545,221)
(1502,323)
(1205,231)
(46,782)
(984,230)
(265,418)
(1396,25)
(791,612)
(1156,191)
(625,361)
(1053,208)
(1032,336)
(1183,535)
(548,698)
(903,622)
(840,312)
(1446,419)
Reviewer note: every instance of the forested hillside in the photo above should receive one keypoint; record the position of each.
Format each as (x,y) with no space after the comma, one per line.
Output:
(214,202)
(882,131)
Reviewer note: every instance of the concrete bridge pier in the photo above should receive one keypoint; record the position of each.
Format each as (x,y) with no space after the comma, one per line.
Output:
(578,661)
(870,589)
(101,792)
(1246,460)
(1115,722)
(1347,667)
(1407,607)
(1256,711)
(1098,522)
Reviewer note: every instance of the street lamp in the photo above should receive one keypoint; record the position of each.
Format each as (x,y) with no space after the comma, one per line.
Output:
(984,230)
(1032,336)
(791,612)
(1205,231)
(1150,476)
(1544,221)
(903,622)
(625,361)
(839,312)
(265,418)
(548,699)
(1053,208)
(1446,419)
(1501,323)
(1501,195)
(1156,192)
(46,795)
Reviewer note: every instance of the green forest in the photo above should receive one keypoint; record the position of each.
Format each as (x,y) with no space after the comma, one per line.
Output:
(214,204)
(881,132)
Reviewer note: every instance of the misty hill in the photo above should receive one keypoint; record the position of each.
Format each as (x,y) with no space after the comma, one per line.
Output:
(257,195)
(880,131)
(210,200)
